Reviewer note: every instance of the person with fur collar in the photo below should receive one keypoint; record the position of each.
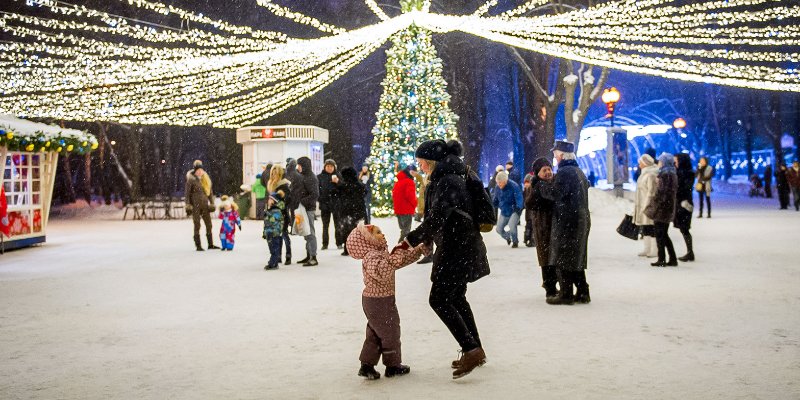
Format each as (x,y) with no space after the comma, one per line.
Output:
(368,244)
(276,215)
(199,202)
(645,190)
(662,209)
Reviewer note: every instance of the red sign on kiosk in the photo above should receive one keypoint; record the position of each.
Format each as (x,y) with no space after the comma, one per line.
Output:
(267,133)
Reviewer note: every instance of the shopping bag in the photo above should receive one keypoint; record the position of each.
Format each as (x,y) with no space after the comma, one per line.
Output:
(301,223)
(628,229)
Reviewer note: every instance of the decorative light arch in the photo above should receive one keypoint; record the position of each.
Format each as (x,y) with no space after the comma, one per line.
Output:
(227,75)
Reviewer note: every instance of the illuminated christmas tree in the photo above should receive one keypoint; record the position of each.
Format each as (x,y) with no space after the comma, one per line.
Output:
(414,107)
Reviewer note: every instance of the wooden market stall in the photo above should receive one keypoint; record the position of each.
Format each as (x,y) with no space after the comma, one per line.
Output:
(28,158)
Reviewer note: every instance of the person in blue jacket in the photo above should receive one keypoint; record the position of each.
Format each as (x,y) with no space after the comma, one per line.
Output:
(508,198)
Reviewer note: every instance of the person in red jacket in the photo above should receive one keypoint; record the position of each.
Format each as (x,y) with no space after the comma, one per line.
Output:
(404,196)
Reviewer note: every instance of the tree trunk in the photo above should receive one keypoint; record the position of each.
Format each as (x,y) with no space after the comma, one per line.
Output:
(575,114)
(748,144)
(87,177)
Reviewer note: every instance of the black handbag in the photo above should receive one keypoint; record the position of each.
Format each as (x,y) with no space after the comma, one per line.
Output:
(628,229)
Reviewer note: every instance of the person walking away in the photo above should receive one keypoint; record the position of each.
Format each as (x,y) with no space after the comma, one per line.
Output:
(229,214)
(368,244)
(541,210)
(260,192)
(404,199)
(350,196)
(513,174)
(508,199)
(782,181)
(276,216)
(199,202)
(662,209)
(328,179)
(793,179)
(569,237)
(703,187)
(526,189)
(460,255)
(307,194)
(365,176)
(768,181)
(295,181)
(645,190)
(683,202)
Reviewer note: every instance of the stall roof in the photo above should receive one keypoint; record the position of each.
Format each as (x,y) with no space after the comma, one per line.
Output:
(23,135)
(24,127)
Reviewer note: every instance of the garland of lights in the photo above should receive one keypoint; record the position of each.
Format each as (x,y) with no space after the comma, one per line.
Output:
(77,67)
(62,142)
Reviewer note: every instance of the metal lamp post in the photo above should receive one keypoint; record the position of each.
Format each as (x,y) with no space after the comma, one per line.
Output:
(617,150)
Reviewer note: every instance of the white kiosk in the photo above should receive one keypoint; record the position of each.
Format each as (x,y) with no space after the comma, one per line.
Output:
(262,145)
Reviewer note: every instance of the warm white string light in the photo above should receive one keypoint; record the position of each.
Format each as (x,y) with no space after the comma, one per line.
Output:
(376,9)
(299,18)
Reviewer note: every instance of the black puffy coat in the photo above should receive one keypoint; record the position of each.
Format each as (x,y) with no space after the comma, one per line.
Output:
(296,180)
(327,190)
(349,194)
(541,210)
(306,192)
(460,254)
(683,217)
(662,207)
(569,236)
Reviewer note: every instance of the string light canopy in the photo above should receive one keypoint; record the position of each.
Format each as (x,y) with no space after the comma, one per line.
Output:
(79,63)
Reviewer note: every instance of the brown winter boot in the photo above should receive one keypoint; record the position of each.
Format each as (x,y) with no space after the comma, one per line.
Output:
(469,361)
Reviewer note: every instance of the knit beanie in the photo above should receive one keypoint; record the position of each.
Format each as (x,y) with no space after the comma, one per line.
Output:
(646,160)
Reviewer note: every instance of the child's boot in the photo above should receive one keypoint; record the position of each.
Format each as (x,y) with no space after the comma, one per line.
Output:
(397,370)
(368,372)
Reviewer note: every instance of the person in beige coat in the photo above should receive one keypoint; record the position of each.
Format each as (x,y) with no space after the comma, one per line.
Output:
(645,190)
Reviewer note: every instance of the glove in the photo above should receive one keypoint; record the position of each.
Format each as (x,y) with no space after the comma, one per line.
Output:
(402,245)
(189,208)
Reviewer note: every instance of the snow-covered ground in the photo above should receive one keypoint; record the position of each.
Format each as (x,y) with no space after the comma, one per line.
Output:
(128,310)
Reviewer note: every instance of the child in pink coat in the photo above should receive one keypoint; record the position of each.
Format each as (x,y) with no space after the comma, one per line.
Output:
(367,243)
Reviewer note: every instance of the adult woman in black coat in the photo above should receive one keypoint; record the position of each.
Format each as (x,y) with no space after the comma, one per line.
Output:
(541,210)
(683,202)
(662,208)
(460,255)
(350,197)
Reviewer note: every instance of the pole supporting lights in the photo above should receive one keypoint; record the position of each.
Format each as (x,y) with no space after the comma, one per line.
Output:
(611,97)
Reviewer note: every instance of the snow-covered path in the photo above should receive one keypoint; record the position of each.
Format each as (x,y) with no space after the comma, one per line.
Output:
(128,310)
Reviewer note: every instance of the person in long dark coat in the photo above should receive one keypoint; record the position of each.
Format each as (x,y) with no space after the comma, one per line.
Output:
(541,210)
(328,203)
(782,184)
(460,255)
(569,236)
(349,194)
(768,181)
(683,202)
(662,209)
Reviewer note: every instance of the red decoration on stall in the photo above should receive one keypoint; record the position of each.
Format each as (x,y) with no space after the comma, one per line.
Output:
(4,224)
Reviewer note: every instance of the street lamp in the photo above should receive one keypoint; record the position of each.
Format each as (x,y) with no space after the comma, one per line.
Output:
(679,123)
(611,97)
